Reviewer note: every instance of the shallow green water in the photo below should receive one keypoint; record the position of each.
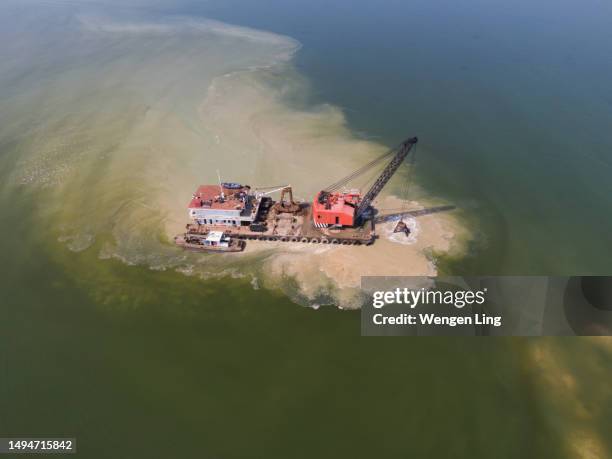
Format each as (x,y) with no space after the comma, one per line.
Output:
(139,362)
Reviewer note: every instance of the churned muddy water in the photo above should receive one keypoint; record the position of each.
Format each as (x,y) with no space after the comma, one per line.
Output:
(128,123)
(111,114)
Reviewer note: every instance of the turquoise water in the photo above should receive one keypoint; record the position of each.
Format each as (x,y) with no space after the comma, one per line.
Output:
(100,342)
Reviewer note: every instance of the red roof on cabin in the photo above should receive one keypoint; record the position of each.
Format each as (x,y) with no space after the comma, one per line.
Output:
(208,197)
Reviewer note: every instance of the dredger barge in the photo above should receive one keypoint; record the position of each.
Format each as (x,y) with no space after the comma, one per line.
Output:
(227,212)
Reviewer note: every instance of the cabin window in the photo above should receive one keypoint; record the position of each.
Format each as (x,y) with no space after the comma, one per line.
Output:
(337,220)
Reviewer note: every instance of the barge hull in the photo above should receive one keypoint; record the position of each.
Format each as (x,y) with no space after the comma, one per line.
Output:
(295,228)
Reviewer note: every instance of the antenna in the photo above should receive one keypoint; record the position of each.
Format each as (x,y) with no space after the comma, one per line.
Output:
(220,186)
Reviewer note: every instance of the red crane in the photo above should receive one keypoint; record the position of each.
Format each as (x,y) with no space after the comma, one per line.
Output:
(332,207)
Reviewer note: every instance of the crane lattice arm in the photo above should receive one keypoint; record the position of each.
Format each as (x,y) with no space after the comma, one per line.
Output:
(400,154)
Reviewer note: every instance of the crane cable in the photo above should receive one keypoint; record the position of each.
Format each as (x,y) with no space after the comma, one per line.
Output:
(406,187)
(360,171)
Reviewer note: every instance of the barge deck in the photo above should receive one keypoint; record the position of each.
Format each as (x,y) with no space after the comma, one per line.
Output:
(293,227)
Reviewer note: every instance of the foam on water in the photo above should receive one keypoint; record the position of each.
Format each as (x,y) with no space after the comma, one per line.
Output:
(402,238)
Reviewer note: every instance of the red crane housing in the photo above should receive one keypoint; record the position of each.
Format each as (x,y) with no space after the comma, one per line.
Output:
(332,207)
(335,208)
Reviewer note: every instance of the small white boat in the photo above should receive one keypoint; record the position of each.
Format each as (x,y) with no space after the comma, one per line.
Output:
(213,241)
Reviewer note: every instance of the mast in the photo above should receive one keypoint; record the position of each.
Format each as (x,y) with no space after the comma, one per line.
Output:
(220,185)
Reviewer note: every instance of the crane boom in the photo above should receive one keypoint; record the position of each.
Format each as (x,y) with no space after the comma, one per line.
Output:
(401,153)
(259,193)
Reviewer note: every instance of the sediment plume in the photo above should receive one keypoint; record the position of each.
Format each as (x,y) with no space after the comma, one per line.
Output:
(118,151)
